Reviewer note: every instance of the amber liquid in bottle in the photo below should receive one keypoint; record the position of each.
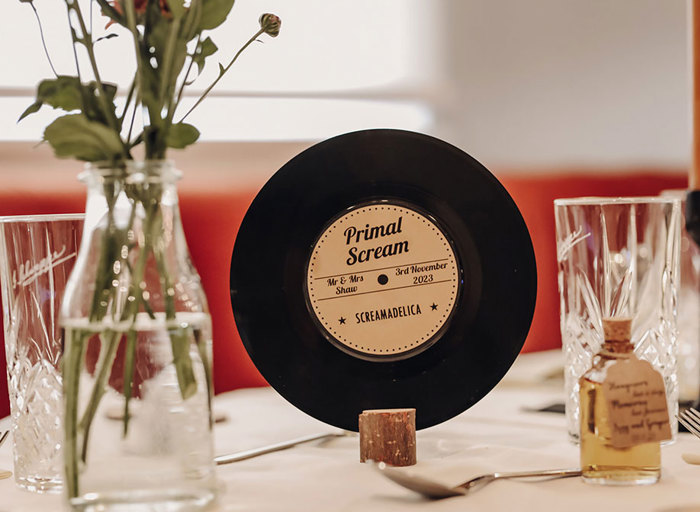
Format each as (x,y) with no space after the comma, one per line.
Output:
(602,463)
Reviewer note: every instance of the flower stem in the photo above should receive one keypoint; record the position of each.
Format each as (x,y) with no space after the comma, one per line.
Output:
(204,357)
(110,252)
(179,339)
(107,352)
(128,8)
(136,292)
(187,74)
(113,239)
(168,61)
(75,348)
(129,96)
(74,41)
(129,359)
(222,72)
(109,113)
(114,263)
(72,364)
(43,39)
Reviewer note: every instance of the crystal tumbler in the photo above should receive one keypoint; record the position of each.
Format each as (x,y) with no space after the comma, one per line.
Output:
(37,253)
(688,312)
(618,257)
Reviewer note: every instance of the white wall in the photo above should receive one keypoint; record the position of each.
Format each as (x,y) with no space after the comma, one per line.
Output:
(336,66)
(551,82)
(516,83)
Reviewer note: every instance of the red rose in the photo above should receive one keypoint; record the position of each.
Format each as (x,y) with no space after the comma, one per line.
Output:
(145,367)
(140,6)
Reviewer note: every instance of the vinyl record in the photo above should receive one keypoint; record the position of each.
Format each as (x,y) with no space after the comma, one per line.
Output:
(383,269)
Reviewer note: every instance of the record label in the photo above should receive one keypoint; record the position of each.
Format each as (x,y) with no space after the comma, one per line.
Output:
(382,280)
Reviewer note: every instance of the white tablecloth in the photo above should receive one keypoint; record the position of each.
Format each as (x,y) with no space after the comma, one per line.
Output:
(496,434)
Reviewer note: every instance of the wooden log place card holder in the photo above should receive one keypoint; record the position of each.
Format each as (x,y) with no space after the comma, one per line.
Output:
(389,436)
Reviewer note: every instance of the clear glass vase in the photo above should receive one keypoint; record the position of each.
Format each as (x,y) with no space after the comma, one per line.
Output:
(137,351)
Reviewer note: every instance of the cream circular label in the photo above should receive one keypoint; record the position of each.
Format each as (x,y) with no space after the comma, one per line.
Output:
(382,280)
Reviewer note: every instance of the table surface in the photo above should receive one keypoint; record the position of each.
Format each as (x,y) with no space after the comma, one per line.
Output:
(500,433)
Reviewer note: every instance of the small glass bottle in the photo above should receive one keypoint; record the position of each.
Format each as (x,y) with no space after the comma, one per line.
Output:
(601,462)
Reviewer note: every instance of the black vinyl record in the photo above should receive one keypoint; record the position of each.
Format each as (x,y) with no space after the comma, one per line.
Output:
(383,269)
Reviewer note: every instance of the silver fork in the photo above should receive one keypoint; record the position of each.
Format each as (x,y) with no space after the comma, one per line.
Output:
(4,473)
(249,454)
(690,419)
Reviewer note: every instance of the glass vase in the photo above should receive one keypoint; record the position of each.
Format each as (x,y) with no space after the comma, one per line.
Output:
(137,351)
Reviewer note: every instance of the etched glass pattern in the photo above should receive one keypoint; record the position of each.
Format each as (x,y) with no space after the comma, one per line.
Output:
(36,256)
(688,311)
(618,258)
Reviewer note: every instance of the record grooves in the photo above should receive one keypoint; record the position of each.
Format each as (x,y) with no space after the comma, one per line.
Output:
(383,269)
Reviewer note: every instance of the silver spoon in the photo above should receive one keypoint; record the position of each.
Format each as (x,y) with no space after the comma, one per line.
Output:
(436,491)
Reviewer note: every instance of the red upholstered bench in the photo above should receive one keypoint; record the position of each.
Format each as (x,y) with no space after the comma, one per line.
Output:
(212,212)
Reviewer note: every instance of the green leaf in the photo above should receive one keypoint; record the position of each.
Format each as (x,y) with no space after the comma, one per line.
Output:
(109,89)
(62,92)
(75,136)
(93,108)
(190,27)
(31,109)
(177,7)
(108,36)
(182,135)
(109,11)
(214,13)
(205,49)
(67,93)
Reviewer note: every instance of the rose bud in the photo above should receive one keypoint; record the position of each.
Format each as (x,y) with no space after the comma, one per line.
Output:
(270,24)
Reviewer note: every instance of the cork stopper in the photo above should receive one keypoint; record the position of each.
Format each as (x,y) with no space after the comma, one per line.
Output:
(617,329)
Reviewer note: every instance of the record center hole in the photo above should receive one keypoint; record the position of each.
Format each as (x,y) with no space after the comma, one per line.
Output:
(382,279)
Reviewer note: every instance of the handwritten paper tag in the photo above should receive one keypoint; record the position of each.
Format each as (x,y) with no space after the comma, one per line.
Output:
(637,407)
